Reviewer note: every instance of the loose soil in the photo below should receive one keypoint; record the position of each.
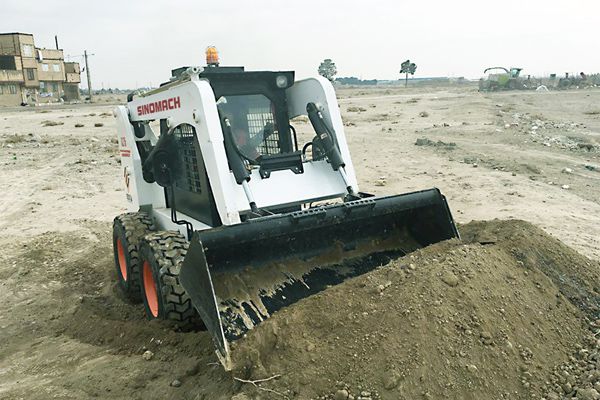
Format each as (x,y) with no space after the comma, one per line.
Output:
(488,317)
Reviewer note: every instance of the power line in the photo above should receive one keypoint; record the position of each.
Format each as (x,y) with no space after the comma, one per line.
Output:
(85,56)
(87,71)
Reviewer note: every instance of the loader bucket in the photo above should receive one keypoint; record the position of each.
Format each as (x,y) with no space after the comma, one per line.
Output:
(238,275)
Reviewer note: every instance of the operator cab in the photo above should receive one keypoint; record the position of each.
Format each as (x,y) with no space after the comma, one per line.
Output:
(254,105)
(253,111)
(257,136)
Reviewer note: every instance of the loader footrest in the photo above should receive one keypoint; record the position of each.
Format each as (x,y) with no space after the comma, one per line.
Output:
(280,162)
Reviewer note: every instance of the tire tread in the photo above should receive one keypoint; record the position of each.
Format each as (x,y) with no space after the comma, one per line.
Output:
(135,225)
(169,249)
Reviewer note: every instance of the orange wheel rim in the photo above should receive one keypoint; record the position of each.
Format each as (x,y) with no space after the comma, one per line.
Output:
(150,289)
(122,260)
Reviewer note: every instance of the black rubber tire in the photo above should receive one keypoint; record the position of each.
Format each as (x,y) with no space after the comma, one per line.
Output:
(162,254)
(128,230)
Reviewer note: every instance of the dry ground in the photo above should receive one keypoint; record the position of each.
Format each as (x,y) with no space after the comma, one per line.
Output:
(66,333)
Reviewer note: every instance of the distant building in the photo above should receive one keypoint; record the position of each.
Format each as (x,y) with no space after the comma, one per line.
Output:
(30,75)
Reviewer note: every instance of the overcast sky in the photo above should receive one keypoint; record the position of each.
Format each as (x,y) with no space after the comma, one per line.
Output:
(139,42)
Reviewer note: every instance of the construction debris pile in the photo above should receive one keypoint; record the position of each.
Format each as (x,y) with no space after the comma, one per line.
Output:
(501,78)
(507,313)
(553,134)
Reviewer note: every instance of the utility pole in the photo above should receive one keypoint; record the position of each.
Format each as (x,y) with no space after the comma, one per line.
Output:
(87,71)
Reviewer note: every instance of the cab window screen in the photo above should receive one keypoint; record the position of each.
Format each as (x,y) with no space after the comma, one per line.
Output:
(253,124)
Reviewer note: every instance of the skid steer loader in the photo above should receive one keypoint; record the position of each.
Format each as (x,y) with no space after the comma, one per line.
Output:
(231,218)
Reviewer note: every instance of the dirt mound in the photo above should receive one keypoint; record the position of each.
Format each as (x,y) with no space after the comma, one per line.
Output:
(485,318)
(488,317)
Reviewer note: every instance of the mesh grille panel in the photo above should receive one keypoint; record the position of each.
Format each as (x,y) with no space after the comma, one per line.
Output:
(258,117)
(189,178)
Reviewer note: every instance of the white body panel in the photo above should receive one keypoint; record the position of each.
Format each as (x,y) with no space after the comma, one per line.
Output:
(193,102)
(320,91)
(138,192)
(318,182)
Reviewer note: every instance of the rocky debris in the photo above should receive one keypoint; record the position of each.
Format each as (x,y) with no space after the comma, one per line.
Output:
(383,286)
(424,142)
(381,181)
(566,187)
(449,278)
(439,143)
(98,124)
(52,123)
(148,355)
(592,112)
(34,138)
(341,394)
(14,139)
(424,114)
(472,368)
(356,109)
(27,140)
(486,337)
(586,146)
(553,134)
(579,377)
(391,380)
(567,170)
(175,383)
(590,167)
(79,125)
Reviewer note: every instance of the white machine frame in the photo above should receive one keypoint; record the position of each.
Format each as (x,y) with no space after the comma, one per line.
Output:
(192,101)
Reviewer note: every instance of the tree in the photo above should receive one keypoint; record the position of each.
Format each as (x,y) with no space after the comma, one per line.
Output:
(407,68)
(327,69)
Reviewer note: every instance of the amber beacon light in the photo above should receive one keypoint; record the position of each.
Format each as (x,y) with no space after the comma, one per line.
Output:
(212,56)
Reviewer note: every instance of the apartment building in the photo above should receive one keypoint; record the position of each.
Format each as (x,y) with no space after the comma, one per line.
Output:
(31,75)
